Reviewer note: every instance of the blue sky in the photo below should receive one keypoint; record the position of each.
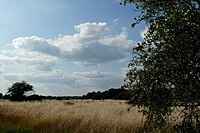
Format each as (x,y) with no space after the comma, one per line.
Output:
(66,47)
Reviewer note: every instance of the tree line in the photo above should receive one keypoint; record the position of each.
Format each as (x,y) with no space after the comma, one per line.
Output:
(118,94)
(21,91)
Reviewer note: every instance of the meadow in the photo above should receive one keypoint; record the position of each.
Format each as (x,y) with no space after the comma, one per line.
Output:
(70,116)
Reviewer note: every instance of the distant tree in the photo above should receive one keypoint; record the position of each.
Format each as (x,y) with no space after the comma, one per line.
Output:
(19,91)
(123,95)
(7,97)
(34,97)
(1,95)
(120,94)
(97,96)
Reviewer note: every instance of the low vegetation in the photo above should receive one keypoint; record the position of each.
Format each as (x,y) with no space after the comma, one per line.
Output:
(71,116)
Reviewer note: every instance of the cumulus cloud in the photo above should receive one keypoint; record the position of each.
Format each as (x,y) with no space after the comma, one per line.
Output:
(94,54)
(119,41)
(26,61)
(91,30)
(44,62)
(91,45)
(36,44)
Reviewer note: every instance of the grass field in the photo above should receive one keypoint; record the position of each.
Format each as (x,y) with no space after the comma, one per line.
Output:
(107,116)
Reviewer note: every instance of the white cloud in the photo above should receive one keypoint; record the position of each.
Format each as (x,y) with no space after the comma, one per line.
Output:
(37,60)
(91,30)
(94,54)
(119,41)
(91,45)
(36,44)
(26,60)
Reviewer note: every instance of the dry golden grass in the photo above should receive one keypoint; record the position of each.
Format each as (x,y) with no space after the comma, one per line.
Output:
(72,116)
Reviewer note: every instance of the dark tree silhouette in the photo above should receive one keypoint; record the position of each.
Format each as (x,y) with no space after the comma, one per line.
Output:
(1,95)
(120,94)
(19,90)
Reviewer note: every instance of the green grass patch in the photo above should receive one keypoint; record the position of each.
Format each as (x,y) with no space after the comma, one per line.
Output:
(8,128)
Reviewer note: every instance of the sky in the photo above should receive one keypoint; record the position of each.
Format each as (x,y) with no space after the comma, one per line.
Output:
(66,47)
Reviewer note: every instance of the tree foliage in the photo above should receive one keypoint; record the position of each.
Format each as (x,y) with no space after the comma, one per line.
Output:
(165,68)
(19,90)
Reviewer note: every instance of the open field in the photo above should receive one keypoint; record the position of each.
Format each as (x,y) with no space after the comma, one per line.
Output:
(107,116)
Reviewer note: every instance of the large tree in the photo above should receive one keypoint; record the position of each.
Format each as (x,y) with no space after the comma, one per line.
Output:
(165,68)
(19,90)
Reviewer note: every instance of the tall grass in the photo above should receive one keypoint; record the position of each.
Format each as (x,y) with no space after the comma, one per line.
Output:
(107,116)
(72,116)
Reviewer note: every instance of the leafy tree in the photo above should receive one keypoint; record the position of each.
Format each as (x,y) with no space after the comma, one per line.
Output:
(165,68)
(19,90)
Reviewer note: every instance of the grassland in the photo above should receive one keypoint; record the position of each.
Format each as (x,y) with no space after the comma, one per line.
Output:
(107,116)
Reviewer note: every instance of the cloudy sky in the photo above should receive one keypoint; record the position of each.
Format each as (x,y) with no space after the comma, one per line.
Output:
(66,47)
